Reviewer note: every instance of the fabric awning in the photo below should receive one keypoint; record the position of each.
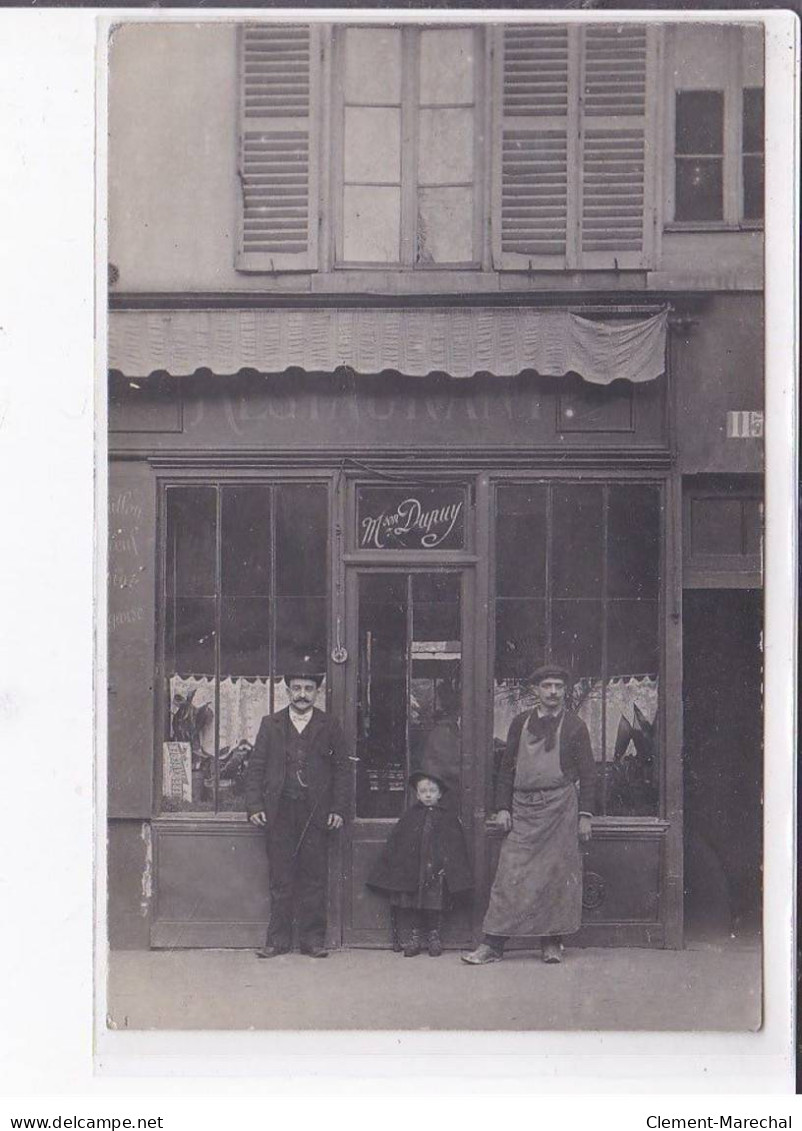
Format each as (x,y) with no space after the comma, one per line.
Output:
(458,341)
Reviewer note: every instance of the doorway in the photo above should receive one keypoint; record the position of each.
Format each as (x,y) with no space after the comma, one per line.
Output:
(409,705)
(723,762)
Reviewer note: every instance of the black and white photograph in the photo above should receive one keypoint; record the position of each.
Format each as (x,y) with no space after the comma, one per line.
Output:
(435,606)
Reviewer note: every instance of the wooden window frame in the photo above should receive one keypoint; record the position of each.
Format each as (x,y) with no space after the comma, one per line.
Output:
(409,110)
(218,481)
(732,163)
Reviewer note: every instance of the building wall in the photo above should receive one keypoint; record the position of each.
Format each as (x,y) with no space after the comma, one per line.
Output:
(174,189)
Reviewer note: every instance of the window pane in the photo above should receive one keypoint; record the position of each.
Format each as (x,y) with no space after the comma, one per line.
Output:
(191,541)
(445,225)
(301,539)
(520,637)
(372,145)
(700,122)
(753,120)
(754,188)
(699,191)
(445,147)
(632,638)
(633,772)
(190,636)
(521,541)
(301,630)
(412,517)
(245,540)
(633,542)
(243,704)
(576,636)
(372,65)
(446,66)
(382,696)
(188,749)
(577,551)
(716,526)
(371,224)
(245,636)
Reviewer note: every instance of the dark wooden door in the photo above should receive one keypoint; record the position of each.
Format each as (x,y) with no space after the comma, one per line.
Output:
(409,701)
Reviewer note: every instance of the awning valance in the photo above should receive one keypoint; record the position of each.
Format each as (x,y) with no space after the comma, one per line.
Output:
(459,341)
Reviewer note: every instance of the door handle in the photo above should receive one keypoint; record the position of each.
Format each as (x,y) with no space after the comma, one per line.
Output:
(339,653)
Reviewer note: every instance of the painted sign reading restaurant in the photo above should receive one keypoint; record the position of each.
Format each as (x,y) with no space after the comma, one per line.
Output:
(411,518)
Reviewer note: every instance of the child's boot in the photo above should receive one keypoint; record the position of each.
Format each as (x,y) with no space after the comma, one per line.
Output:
(435,943)
(412,949)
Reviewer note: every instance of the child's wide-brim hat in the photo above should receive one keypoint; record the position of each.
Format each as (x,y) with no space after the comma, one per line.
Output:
(419,775)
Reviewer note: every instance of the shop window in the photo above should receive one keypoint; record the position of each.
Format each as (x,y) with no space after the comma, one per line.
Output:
(578,581)
(245,595)
(407,185)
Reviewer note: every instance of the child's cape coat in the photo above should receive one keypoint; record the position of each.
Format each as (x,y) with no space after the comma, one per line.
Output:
(398,868)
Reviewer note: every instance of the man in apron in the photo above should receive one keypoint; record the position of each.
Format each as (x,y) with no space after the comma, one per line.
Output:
(537,890)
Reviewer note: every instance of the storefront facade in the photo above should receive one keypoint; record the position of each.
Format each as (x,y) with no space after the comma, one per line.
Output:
(427,483)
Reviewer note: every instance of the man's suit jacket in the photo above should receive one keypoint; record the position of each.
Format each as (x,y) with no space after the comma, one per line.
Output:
(327,768)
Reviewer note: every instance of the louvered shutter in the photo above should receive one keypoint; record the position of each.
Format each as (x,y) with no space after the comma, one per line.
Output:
(531,165)
(574,146)
(279,82)
(617,146)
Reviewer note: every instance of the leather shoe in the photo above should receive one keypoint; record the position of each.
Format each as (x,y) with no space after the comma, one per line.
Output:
(552,952)
(315,952)
(482,955)
(271,951)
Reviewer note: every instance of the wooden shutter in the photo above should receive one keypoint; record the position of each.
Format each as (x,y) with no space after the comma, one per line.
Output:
(617,146)
(573,181)
(279,82)
(531,169)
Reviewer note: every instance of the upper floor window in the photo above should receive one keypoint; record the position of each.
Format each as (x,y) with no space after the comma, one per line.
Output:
(405,185)
(718,125)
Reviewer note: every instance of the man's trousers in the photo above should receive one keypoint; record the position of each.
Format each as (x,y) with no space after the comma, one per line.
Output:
(297,852)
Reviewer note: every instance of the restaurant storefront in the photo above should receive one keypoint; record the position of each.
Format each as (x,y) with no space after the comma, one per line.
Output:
(430,523)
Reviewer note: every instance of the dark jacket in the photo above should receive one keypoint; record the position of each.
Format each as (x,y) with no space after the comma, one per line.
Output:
(398,868)
(328,769)
(576,761)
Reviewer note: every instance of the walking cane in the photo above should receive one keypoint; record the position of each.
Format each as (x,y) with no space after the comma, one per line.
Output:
(304,830)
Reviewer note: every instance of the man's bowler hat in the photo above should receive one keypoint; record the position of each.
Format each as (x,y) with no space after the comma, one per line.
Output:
(305,667)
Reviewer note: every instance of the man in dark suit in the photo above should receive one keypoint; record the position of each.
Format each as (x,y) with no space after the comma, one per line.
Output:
(297,789)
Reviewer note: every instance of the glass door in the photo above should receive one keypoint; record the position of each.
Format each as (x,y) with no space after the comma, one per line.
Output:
(406,711)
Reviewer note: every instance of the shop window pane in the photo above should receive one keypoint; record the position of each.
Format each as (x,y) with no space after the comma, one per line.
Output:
(632,638)
(191,541)
(372,65)
(632,770)
(716,526)
(243,704)
(445,146)
(577,547)
(576,636)
(633,541)
(520,638)
(446,66)
(188,749)
(371,224)
(372,145)
(301,630)
(445,225)
(382,695)
(521,541)
(190,647)
(301,539)
(245,540)
(245,636)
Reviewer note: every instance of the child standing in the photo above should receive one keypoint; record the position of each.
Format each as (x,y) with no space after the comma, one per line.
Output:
(424,861)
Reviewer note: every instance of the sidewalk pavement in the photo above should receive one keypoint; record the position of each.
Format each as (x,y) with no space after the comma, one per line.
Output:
(705,987)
